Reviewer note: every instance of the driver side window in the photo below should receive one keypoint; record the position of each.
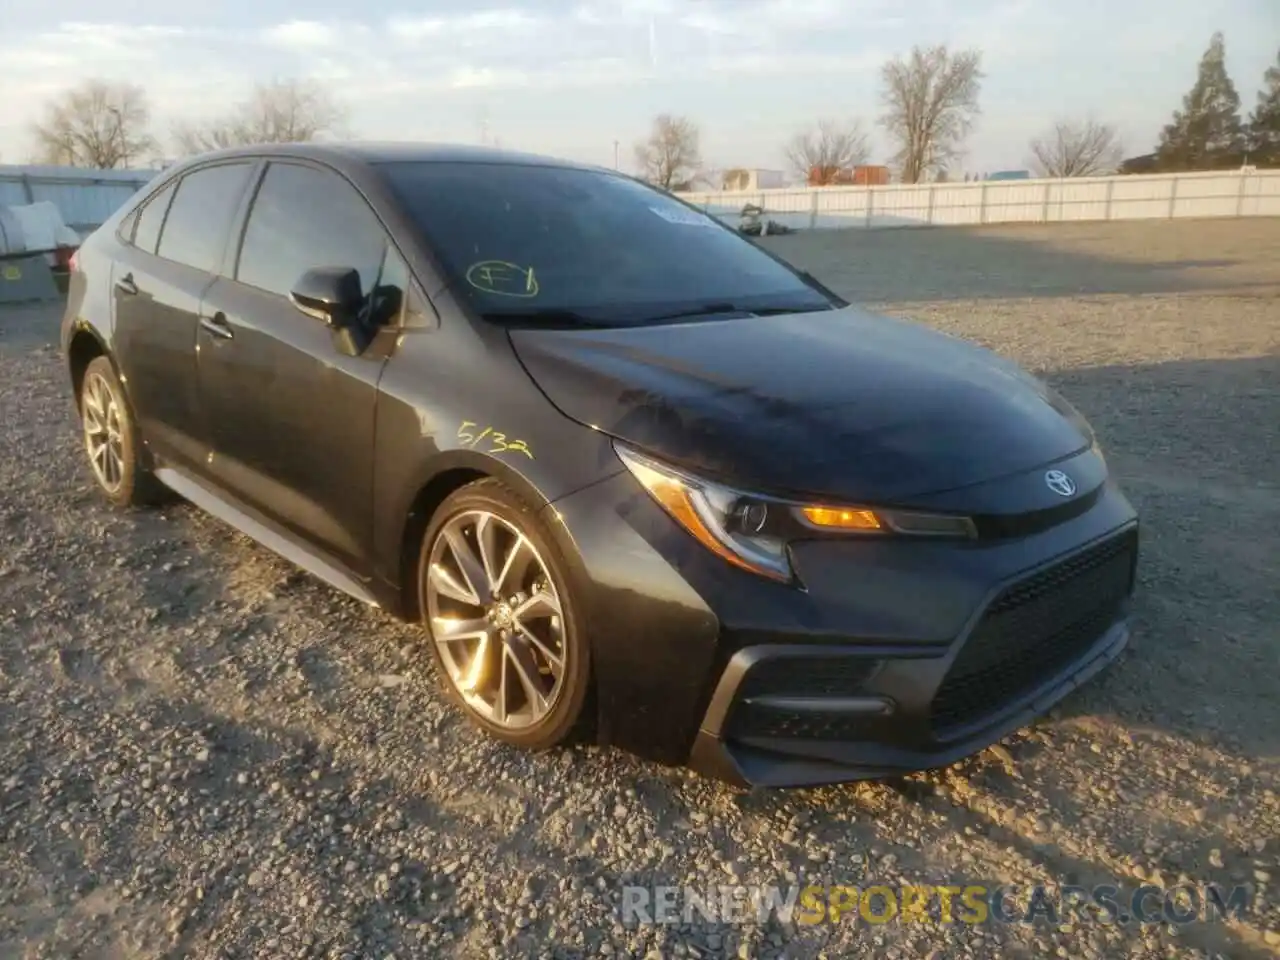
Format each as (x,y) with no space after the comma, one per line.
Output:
(304,217)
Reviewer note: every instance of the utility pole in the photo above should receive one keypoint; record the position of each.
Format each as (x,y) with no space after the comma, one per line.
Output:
(615,154)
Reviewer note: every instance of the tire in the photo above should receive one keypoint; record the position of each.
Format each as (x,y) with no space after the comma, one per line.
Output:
(532,622)
(112,445)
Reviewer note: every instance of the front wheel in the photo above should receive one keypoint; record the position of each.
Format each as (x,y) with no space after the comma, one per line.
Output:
(504,630)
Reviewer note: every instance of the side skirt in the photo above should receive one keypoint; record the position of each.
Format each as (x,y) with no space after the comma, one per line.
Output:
(267,533)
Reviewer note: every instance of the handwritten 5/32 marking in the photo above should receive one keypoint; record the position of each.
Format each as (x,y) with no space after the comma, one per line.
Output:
(490,440)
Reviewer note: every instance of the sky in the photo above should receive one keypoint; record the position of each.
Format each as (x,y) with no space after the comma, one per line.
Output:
(572,77)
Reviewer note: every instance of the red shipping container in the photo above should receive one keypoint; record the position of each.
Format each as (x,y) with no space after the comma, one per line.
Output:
(870,176)
(866,176)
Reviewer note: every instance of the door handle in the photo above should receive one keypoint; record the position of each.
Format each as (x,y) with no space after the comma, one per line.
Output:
(218,326)
(126,285)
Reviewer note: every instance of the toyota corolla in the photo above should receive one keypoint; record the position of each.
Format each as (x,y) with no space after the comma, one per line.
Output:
(639,480)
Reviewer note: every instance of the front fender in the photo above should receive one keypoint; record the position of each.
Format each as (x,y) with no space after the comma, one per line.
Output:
(440,425)
(407,497)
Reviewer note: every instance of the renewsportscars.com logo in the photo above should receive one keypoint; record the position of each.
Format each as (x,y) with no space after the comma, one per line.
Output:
(878,904)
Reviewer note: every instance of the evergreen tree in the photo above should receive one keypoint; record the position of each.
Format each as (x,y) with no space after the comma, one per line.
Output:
(1206,133)
(1264,125)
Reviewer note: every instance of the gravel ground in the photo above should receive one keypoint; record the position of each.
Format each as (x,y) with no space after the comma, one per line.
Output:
(205,753)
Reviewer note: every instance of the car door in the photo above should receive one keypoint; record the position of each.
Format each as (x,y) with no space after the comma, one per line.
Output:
(160,275)
(290,417)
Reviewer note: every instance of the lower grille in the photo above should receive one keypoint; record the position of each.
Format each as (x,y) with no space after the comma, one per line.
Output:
(820,676)
(1035,629)
(753,720)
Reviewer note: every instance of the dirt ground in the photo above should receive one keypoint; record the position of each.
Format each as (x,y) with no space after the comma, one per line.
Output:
(205,753)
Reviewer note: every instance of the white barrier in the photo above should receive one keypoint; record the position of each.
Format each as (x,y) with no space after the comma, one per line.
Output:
(1233,193)
(84,198)
(34,227)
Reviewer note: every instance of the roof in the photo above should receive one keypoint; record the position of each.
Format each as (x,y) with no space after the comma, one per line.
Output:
(375,152)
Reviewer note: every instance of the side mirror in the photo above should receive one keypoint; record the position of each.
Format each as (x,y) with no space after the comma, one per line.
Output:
(330,294)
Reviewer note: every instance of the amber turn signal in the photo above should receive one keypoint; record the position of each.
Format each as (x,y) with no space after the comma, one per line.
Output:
(842,518)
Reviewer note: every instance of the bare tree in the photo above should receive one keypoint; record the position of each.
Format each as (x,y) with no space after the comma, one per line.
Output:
(284,111)
(671,157)
(1077,148)
(931,103)
(819,154)
(96,124)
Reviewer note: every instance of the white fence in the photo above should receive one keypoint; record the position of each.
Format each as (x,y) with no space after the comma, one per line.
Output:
(1234,193)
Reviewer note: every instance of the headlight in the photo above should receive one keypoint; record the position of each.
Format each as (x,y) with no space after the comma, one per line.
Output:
(752,531)
(711,513)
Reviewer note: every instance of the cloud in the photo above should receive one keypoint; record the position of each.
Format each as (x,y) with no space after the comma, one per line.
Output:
(108,45)
(488,23)
(465,78)
(379,65)
(302,35)
(771,17)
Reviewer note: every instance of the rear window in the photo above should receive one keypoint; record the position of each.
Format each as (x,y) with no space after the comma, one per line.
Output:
(151,219)
(523,241)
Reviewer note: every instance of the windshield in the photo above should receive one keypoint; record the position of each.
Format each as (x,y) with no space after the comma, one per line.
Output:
(555,245)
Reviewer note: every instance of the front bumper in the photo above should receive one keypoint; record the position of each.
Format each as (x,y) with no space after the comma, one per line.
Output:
(788,716)
(895,656)
(858,713)
(796,763)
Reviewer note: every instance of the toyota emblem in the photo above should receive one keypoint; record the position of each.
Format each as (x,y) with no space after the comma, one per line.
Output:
(1060,483)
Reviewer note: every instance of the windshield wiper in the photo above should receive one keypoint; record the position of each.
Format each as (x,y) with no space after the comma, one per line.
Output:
(718,308)
(702,310)
(837,300)
(550,316)
(555,316)
(807,308)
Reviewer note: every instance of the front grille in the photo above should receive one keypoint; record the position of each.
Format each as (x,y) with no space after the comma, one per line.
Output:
(1033,630)
(819,676)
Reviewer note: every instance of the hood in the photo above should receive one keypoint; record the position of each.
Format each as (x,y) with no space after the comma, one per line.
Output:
(841,404)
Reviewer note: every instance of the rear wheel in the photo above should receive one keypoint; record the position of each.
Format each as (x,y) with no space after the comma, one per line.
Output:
(111,439)
(505,634)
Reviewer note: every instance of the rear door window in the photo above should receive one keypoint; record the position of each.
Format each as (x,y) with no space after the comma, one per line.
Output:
(151,219)
(302,218)
(129,224)
(195,232)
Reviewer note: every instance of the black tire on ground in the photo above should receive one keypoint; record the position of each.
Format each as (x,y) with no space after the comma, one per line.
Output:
(104,407)
(571,716)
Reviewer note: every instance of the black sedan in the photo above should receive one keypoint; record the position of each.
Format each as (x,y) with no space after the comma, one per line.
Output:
(640,481)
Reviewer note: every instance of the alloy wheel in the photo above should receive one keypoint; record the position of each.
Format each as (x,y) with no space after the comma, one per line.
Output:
(496,619)
(103,432)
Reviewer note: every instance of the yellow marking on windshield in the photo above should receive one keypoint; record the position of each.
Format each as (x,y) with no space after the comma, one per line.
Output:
(503,278)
